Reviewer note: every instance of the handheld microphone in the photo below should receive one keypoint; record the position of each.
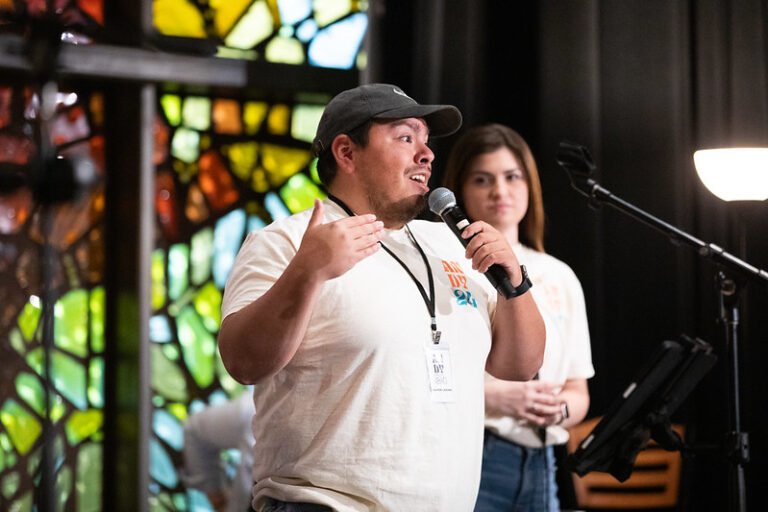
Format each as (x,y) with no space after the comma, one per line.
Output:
(442,202)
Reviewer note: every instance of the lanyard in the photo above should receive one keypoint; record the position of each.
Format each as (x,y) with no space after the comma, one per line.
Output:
(429,300)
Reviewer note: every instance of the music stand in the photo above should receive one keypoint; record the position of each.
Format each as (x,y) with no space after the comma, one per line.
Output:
(643,410)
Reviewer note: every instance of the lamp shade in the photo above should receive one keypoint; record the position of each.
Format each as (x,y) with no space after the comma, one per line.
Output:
(734,174)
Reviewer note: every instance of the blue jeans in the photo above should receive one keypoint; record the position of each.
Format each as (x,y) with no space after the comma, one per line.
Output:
(274,505)
(516,478)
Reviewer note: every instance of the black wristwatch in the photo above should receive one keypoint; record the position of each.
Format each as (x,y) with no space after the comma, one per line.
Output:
(524,286)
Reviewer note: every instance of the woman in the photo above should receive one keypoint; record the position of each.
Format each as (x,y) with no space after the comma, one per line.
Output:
(494,176)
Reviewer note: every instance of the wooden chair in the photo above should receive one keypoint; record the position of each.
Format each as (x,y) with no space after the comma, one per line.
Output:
(654,482)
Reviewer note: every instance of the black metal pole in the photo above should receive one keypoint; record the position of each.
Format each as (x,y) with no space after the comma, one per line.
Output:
(577,162)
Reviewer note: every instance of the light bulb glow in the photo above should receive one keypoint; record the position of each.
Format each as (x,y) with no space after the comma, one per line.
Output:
(734,174)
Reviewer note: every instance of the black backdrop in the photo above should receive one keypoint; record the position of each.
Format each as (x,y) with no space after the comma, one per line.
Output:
(641,83)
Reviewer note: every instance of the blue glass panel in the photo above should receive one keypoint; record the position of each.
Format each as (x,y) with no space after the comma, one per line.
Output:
(168,428)
(227,238)
(161,467)
(160,329)
(306,31)
(336,46)
(293,11)
(275,206)
(255,223)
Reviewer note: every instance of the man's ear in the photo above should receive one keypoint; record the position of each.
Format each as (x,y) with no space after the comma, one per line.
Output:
(343,149)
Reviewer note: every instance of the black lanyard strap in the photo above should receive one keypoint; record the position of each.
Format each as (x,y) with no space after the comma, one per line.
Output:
(429,300)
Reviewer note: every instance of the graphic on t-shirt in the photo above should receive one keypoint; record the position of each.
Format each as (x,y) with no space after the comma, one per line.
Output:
(458,280)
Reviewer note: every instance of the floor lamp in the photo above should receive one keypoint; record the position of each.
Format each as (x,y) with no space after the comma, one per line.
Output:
(734,174)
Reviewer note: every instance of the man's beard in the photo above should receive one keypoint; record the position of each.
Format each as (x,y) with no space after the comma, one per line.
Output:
(399,213)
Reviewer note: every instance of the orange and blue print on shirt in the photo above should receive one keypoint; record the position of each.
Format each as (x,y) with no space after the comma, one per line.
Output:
(458,280)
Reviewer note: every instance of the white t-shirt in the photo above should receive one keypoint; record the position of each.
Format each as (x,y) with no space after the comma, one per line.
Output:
(567,355)
(351,421)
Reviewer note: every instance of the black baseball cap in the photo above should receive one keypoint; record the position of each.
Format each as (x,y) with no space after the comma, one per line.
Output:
(352,108)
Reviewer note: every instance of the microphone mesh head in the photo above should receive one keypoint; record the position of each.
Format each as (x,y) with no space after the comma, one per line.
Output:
(440,199)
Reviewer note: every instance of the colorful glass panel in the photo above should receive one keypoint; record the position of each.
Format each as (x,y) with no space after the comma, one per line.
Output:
(76,253)
(320,33)
(244,141)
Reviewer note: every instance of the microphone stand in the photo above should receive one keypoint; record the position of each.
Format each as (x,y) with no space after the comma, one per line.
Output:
(577,162)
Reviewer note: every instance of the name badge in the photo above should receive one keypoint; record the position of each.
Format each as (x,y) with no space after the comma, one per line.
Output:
(440,372)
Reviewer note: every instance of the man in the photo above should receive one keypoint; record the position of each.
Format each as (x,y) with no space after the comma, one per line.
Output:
(368,333)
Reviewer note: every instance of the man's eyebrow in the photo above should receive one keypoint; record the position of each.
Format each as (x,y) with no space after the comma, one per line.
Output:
(411,123)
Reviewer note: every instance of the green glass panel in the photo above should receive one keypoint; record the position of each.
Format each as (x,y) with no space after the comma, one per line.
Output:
(22,504)
(11,484)
(158,278)
(31,390)
(180,501)
(304,122)
(178,18)
(22,427)
(201,255)
(178,265)
(185,145)
(171,104)
(171,352)
(179,411)
(68,378)
(57,408)
(63,487)
(17,341)
(208,306)
(242,158)
(167,377)
(281,162)
(313,171)
(89,481)
(29,317)
(71,322)
(83,424)
(198,346)
(196,113)
(254,114)
(254,27)
(35,360)
(96,382)
(97,305)
(299,193)
(285,50)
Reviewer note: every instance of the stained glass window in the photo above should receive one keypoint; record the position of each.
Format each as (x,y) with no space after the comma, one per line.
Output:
(76,289)
(224,166)
(229,166)
(322,33)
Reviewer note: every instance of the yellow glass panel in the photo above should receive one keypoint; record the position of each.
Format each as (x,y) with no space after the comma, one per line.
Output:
(253,115)
(226,117)
(6,5)
(178,18)
(328,11)
(278,119)
(242,158)
(259,181)
(227,12)
(254,27)
(281,163)
(285,50)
